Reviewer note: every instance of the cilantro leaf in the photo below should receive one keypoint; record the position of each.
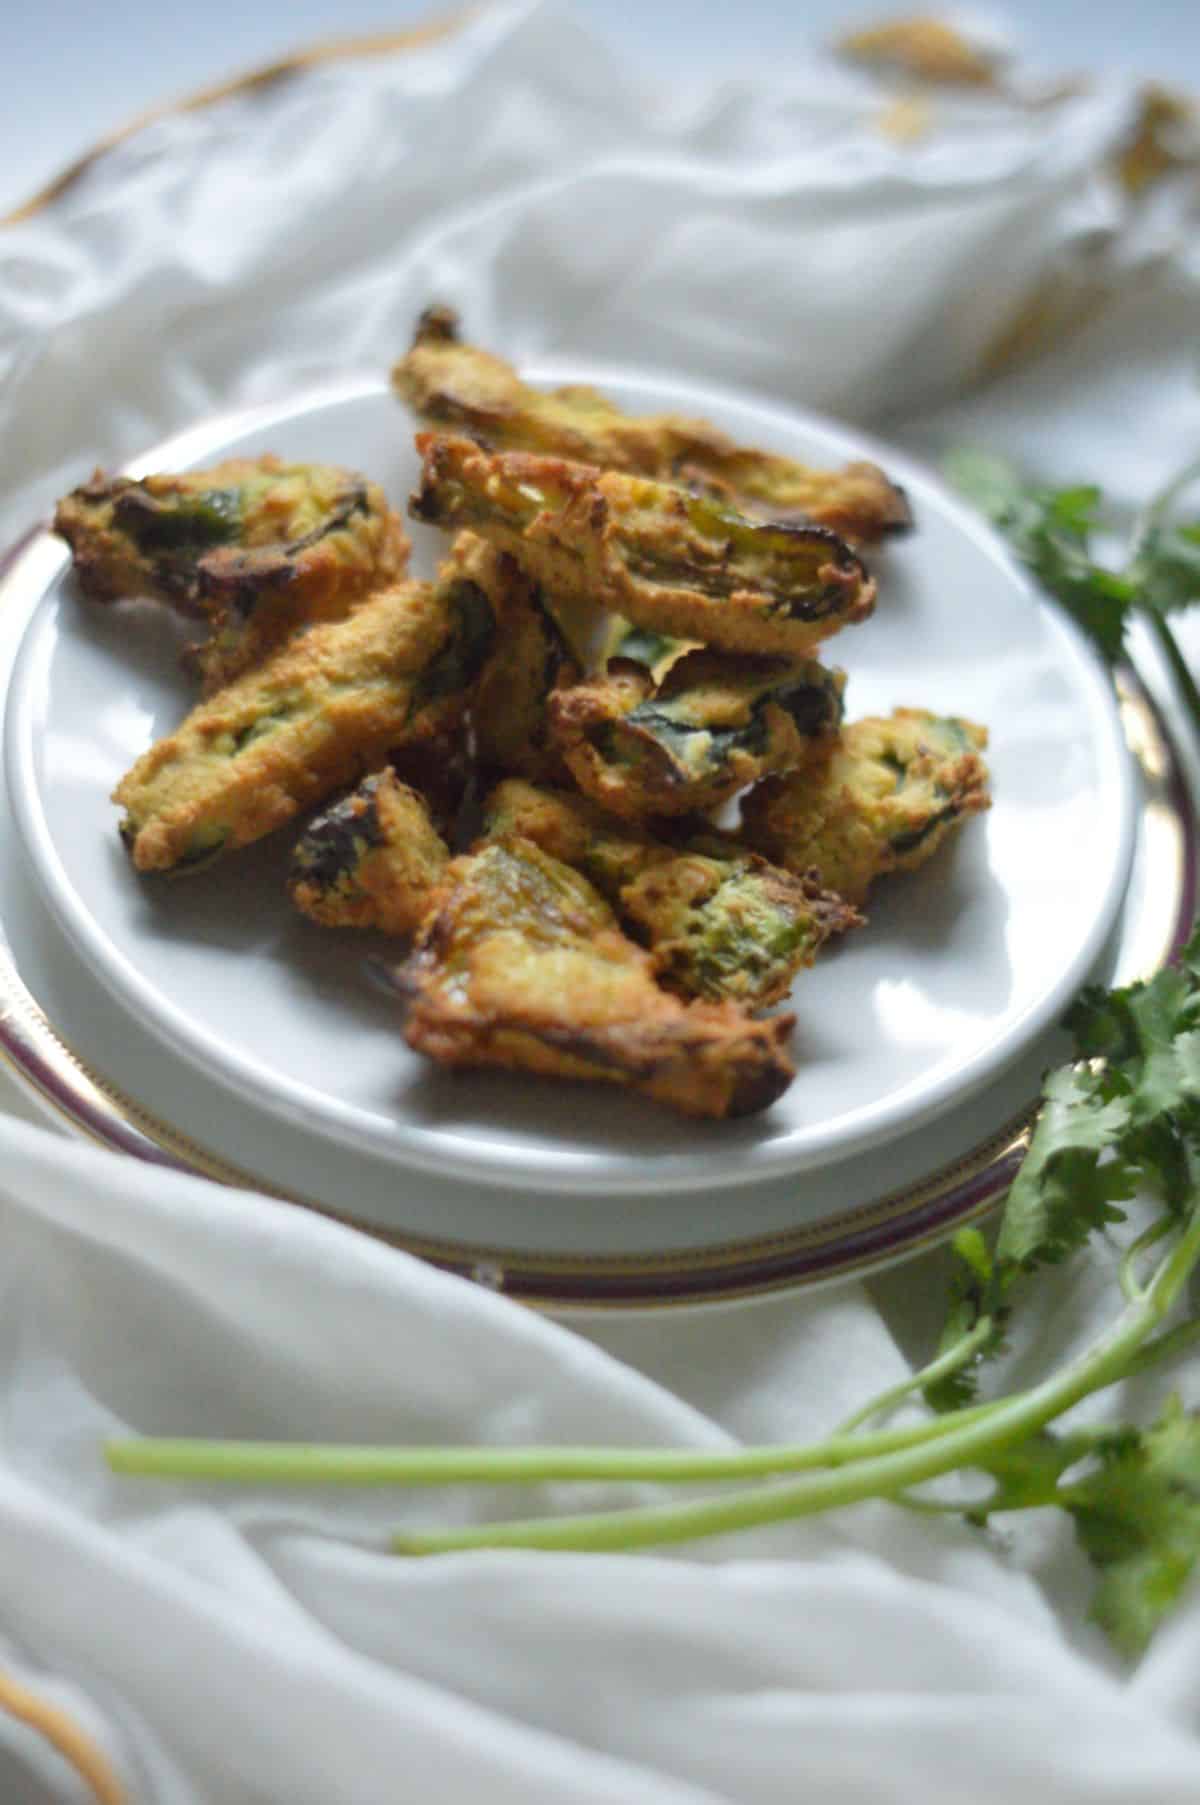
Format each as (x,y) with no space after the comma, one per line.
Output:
(1127,1111)
(1050,530)
(1137,1517)
(1165,574)
(1071,1182)
(1065,1187)
(1149,1036)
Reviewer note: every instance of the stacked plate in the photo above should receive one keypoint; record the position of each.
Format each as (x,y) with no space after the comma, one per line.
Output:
(203,1023)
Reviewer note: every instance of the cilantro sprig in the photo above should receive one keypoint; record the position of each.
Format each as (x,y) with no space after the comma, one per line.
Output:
(1121,1120)
(1052,531)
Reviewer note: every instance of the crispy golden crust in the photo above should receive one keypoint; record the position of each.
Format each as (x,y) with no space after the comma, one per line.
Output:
(882,799)
(732,928)
(318,715)
(668,561)
(713,725)
(370,861)
(460,389)
(610,853)
(530,659)
(255,546)
(520,965)
(719,921)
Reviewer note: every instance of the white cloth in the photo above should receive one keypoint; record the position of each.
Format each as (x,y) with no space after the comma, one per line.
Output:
(256,1645)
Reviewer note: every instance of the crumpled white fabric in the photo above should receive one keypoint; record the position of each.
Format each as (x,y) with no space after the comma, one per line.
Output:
(261,1645)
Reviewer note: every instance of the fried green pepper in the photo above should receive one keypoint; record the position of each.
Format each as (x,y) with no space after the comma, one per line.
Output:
(735,927)
(610,853)
(321,713)
(670,562)
(255,546)
(713,725)
(370,861)
(719,922)
(460,389)
(882,798)
(520,964)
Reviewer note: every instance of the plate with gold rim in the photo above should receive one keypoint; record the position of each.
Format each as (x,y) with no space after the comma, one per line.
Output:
(964,969)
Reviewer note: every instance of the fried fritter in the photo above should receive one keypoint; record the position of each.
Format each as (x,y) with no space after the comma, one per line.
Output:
(529,660)
(732,927)
(255,546)
(610,853)
(720,922)
(321,713)
(460,389)
(713,725)
(670,562)
(882,798)
(520,964)
(370,861)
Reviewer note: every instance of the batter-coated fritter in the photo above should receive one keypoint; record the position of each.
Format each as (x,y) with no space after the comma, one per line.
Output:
(520,964)
(256,546)
(719,926)
(530,659)
(460,389)
(670,562)
(720,922)
(610,853)
(370,861)
(882,799)
(713,725)
(318,715)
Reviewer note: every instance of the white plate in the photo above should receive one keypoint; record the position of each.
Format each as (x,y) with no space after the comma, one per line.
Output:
(964,964)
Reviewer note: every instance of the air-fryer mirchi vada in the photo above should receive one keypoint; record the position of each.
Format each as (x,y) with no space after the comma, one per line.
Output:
(320,714)
(520,964)
(256,547)
(719,921)
(371,860)
(674,563)
(712,726)
(883,797)
(460,389)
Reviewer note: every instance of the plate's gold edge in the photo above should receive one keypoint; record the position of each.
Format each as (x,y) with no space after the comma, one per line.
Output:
(108,1116)
(267,75)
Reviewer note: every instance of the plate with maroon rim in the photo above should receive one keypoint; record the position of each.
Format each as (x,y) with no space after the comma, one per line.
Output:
(958,981)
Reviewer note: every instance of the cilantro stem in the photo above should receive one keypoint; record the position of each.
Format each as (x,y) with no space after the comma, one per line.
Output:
(1185,682)
(1149,1237)
(1150,519)
(1161,504)
(1166,1346)
(946,1363)
(882,1476)
(301,1463)
(938,1444)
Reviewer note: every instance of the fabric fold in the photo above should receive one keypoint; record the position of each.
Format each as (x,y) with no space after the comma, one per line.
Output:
(985,279)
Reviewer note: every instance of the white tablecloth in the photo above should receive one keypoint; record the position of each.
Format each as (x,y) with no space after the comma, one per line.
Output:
(257,1646)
